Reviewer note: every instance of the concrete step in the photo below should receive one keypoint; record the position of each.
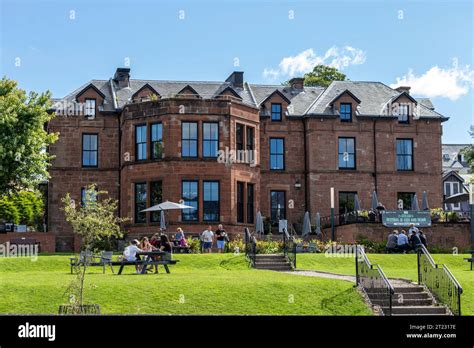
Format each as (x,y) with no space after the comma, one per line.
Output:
(269,257)
(403,302)
(264,263)
(274,267)
(405,289)
(417,310)
(406,295)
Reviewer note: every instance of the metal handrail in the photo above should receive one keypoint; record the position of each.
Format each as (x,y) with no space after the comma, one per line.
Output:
(434,277)
(366,275)
(289,248)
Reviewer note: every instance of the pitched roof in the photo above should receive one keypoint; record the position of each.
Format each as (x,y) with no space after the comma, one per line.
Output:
(311,101)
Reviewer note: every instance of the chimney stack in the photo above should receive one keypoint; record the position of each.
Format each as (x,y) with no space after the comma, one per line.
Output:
(402,89)
(122,77)
(297,82)
(236,79)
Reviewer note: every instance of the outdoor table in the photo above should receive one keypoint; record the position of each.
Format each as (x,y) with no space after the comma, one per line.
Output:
(149,258)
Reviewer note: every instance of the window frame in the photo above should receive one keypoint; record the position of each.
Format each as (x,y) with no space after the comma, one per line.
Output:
(407,121)
(405,155)
(135,204)
(144,144)
(346,193)
(240,204)
(276,154)
(280,112)
(96,151)
(184,200)
(218,200)
(152,142)
(276,208)
(250,203)
(250,145)
(216,141)
(190,139)
(412,195)
(345,113)
(339,153)
(86,107)
(153,214)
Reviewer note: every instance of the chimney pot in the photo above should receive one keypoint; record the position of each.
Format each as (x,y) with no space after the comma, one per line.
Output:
(297,82)
(122,77)
(402,89)
(236,79)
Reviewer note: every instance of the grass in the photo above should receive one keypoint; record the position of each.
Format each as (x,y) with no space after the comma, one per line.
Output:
(198,284)
(397,266)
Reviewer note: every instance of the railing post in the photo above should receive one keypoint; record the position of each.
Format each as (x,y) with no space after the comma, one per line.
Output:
(418,253)
(357,264)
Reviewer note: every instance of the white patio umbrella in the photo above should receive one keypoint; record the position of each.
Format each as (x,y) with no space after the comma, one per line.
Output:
(259,224)
(167,205)
(306,225)
(414,203)
(318,224)
(424,202)
(375,201)
(356,203)
(162,220)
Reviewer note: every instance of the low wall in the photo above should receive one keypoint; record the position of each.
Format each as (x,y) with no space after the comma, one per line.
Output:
(448,235)
(47,240)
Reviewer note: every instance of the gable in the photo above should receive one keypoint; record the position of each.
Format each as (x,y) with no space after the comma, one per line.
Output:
(145,91)
(228,91)
(89,91)
(278,94)
(188,91)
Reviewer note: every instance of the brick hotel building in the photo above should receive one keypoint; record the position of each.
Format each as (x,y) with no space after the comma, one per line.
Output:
(145,141)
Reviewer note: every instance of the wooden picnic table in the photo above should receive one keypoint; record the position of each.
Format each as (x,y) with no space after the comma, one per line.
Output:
(149,258)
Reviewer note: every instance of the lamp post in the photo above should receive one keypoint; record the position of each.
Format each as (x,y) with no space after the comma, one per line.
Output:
(333,232)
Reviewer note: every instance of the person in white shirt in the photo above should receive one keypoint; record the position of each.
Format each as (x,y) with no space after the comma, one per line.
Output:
(207,238)
(130,253)
(412,229)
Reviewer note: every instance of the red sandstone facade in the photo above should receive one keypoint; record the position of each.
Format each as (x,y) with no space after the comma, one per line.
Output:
(310,137)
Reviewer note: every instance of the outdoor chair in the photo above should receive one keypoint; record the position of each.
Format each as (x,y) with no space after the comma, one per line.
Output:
(84,257)
(106,260)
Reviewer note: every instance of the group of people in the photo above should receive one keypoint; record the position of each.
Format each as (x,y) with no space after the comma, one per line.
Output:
(208,236)
(403,242)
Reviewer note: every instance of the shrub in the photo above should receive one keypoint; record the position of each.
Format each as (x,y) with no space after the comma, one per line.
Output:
(371,246)
(236,245)
(8,211)
(194,245)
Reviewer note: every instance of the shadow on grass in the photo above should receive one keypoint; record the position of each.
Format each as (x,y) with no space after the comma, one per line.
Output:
(333,304)
(233,262)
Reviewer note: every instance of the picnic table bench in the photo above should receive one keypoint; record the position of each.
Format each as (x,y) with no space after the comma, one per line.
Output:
(470,259)
(149,259)
(105,259)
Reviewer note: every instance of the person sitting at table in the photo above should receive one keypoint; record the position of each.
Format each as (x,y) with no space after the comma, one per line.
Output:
(179,235)
(130,253)
(155,240)
(145,245)
(167,247)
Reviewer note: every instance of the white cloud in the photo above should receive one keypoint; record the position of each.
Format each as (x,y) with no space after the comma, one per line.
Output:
(305,61)
(449,83)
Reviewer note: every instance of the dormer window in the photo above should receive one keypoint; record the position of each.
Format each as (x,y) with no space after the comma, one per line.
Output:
(276,112)
(90,107)
(346,112)
(403,111)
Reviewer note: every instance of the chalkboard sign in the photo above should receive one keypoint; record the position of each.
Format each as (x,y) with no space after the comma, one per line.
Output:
(403,218)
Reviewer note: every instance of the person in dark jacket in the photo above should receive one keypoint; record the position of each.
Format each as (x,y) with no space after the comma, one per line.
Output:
(392,241)
(415,241)
(422,238)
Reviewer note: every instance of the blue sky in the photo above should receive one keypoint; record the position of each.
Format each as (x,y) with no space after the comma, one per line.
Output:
(60,44)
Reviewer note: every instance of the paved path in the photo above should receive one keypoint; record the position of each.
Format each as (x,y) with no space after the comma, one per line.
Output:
(349,278)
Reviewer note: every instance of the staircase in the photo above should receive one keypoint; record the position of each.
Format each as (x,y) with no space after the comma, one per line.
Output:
(408,299)
(273,262)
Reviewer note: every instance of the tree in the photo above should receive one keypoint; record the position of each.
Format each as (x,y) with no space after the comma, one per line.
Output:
(323,75)
(93,221)
(468,153)
(23,139)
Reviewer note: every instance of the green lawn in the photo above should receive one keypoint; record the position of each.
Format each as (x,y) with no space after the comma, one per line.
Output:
(397,266)
(208,284)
